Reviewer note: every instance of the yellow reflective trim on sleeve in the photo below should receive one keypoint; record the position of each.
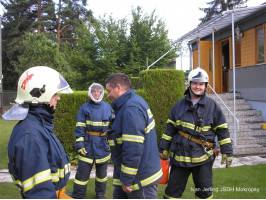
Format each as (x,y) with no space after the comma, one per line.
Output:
(152,178)
(111,143)
(150,126)
(222,126)
(224,141)
(129,170)
(81,124)
(36,179)
(171,122)
(101,180)
(117,182)
(80,139)
(84,159)
(134,187)
(92,123)
(119,140)
(102,160)
(167,137)
(81,182)
(149,113)
(133,138)
(206,128)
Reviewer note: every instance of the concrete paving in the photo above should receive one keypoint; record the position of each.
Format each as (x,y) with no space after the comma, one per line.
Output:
(239,161)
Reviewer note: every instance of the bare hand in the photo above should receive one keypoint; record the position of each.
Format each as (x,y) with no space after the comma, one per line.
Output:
(126,188)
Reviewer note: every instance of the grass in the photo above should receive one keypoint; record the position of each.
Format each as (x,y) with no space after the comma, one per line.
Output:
(245,182)
(5,132)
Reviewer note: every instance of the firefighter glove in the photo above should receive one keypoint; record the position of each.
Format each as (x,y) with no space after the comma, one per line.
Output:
(82,152)
(228,158)
(164,155)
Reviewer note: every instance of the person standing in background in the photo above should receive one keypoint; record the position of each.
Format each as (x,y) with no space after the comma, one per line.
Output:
(91,142)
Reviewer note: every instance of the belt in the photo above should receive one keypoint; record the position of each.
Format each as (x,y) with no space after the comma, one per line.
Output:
(189,137)
(96,133)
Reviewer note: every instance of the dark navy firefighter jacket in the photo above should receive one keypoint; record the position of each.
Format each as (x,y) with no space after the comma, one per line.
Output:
(205,121)
(38,163)
(133,143)
(93,117)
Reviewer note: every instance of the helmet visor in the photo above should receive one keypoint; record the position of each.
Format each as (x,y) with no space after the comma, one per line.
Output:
(63,86)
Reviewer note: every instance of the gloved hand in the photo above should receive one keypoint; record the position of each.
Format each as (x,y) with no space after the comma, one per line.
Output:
(228,158)
(164,155)
(82,151)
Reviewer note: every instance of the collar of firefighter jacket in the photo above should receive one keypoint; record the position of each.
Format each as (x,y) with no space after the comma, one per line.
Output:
(95,104)
(202,100)
(43,116)
(117,104)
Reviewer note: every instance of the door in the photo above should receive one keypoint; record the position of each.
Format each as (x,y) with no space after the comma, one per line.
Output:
(225,66)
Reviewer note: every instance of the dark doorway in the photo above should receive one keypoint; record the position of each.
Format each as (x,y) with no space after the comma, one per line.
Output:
(225,65)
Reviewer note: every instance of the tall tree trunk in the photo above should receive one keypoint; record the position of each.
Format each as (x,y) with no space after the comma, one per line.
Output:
(58,22)
(39,15)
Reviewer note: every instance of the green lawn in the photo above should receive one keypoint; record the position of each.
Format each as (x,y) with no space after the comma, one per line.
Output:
(5,131)
(245,182)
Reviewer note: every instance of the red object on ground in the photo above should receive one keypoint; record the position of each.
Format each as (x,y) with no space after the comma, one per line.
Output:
(165,169)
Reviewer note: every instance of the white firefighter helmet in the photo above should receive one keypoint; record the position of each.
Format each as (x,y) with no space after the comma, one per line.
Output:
(36,86)
(98,87)
(198,75)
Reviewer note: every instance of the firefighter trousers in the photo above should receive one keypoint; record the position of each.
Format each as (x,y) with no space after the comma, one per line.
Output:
(202,178)
(82,178)
(148,192)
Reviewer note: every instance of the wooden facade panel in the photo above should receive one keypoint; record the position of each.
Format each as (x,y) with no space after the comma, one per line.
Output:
(248,48)
(206,62)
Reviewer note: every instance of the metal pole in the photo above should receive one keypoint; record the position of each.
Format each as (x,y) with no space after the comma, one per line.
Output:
(213,59)
(198,40)
(160,58)
(1,75)
(234,75)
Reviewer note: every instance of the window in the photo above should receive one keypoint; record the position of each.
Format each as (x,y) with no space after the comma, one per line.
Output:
(260,44)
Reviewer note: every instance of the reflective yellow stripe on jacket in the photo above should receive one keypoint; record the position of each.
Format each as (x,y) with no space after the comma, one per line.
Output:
(92,123)
(190,159)
(143,183)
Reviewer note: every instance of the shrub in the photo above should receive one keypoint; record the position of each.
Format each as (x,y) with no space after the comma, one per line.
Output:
(162,88)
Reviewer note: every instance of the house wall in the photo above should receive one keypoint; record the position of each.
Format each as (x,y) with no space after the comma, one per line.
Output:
(251,83)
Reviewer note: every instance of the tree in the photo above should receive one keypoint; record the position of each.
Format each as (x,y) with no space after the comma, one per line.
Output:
(37,50)
(148,40)
(70,15)
(36,16)
(218,6)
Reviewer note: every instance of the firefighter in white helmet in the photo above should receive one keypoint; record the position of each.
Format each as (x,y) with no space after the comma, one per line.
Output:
(91,142)
(192,126)
(38,163)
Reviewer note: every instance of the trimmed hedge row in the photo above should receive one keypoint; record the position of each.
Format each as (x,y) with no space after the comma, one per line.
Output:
(161,88)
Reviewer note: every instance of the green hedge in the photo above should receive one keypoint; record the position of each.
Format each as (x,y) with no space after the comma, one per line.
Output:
(134,82)
(161,88)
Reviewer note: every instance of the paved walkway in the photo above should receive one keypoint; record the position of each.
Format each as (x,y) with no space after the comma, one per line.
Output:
(240,161)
